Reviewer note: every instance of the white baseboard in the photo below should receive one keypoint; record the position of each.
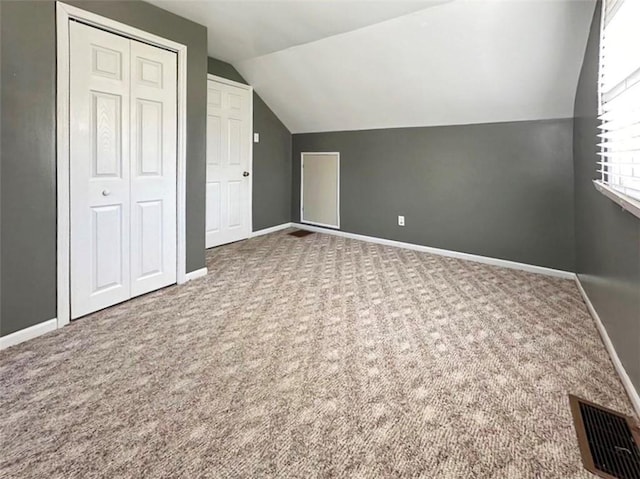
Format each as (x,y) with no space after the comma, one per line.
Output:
(624,377)
(28,333)
(199,273)
(52,324)
(273,229)
(444,252)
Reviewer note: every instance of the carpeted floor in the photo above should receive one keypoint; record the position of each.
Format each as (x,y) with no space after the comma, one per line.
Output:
(313,357)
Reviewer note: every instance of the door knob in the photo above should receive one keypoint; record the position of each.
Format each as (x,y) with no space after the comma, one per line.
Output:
(106,192)
(246,173)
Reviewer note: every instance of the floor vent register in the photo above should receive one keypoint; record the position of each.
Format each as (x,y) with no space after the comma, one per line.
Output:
(609,441)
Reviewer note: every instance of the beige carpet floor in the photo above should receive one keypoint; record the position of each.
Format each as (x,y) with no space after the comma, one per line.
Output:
(313,357)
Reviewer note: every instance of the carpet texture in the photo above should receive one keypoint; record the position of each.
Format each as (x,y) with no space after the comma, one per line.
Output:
(313,357)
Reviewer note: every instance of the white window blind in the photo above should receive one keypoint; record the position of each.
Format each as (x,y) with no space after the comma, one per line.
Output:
(619,88)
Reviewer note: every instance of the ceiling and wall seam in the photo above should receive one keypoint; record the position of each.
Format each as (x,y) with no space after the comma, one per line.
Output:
(454,63)
(346,32)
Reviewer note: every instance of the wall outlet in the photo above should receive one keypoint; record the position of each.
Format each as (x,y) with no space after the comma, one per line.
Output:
(256,137)
(400,220)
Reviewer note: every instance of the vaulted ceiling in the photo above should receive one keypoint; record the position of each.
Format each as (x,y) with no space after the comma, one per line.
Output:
(347,65)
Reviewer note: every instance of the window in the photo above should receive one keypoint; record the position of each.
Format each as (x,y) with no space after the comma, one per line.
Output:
(619,89)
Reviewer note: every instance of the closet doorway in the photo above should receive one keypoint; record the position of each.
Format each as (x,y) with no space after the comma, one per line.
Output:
(121,162)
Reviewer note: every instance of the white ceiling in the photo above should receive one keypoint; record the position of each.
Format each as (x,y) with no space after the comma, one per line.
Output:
(333,65)
(243,29)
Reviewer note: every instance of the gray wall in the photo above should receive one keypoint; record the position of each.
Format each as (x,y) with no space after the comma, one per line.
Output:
(503,190)
(28,228)
(271,158)
(224,70)
(0,171)
(607,238)
(28,199)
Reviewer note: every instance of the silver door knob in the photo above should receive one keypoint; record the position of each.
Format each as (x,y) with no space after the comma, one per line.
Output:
(106,192)
(246,173)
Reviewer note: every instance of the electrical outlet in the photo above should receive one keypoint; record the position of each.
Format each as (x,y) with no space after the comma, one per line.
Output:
(256,137)
(400,220)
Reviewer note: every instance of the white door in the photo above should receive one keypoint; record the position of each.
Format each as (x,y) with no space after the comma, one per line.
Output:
(229,126)
(153,167)
(320,189)
(122,168)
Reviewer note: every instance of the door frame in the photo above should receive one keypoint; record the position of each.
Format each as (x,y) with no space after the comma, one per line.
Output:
(249,88)
(64,14)
(319,153)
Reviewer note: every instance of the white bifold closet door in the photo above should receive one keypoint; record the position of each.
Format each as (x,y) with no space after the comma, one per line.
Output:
(123,114)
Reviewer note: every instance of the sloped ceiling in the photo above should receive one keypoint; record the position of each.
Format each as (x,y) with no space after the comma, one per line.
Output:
(244,29)
(407,63)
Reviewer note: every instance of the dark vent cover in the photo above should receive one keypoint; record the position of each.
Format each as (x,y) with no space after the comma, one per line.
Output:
(300,233)
(609,443)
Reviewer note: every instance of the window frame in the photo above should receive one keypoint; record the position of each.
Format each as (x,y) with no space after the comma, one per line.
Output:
(626,202)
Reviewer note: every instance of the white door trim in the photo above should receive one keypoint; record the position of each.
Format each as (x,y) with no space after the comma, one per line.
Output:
(316,153)
(226,81)
(249,88)
(65,13)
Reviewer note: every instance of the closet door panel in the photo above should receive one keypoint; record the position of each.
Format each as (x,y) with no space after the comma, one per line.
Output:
(153,167)
(99,169)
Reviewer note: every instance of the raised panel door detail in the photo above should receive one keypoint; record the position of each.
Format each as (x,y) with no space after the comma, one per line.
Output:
(234,203)
(106,134)
(235,142)
(214,98)
(106,247)
(213,207)
(150,243)
(235,101)
(214,137)
(106,62)
(149,145)
(150,72)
